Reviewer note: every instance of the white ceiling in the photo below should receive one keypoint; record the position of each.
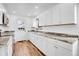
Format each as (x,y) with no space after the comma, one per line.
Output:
(27,9)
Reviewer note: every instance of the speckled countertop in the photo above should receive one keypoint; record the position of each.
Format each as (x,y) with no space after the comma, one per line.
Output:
(58,36)
(4,37)
(7,33)
(4,40)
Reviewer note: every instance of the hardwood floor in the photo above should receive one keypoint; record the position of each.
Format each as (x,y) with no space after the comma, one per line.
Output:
(26,48)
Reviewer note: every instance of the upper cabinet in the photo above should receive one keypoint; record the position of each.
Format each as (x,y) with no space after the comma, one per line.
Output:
(36,23)
(59,14)
(45,18)
(3,18)
(66,13)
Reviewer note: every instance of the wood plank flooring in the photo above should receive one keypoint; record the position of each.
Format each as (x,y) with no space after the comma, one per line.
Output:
(25,48)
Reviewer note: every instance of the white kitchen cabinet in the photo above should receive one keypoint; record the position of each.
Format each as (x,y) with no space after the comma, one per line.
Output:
(1,17)
(6,47)
(58,14)
(21,35)
(63,14)
(45,46)
(42,44)
(3,50)
(45,18)
(33,38)
(67,13)
(48,17)
(60,51)
(55,15)
(38,42)
(42,19)
(52,47)
(10,45)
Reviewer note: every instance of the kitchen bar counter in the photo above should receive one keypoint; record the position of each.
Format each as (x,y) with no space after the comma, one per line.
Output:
(58,36)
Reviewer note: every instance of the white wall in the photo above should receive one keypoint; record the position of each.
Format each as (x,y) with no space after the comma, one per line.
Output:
(69,29)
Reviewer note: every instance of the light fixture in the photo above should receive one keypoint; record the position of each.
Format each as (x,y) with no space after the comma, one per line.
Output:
(2,10)
(28,14)
(19,22)
(36,7)
(14,12)
(35,13)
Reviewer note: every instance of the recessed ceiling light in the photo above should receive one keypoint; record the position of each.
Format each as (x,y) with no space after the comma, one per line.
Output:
(2,10)
(14,12)
(35,13)
(36,7)
(28,14)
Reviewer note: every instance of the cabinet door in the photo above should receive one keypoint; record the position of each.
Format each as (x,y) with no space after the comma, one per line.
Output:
(67,13)
(31,37)
(10,45)
(42,19)
(34,39)
(63,14)
(55,15)
(20,35)
(59,14)
(1,22)
(45,19)
(38,42)
(48,18)
(60,51)
(46,47)
(50,49)
(4,50)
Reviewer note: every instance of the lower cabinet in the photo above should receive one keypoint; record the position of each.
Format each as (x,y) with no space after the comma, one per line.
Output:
(60,51)
(3,50)
(48,47)
(10,45)
(20,35)
(6,47)
(50,50)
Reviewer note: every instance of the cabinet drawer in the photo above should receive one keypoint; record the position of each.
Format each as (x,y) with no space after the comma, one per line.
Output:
(60,51)
(60,43)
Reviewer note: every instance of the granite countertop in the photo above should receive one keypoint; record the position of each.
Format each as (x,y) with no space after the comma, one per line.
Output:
(58,36)
(4,40)
(7,33)
(4,37)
